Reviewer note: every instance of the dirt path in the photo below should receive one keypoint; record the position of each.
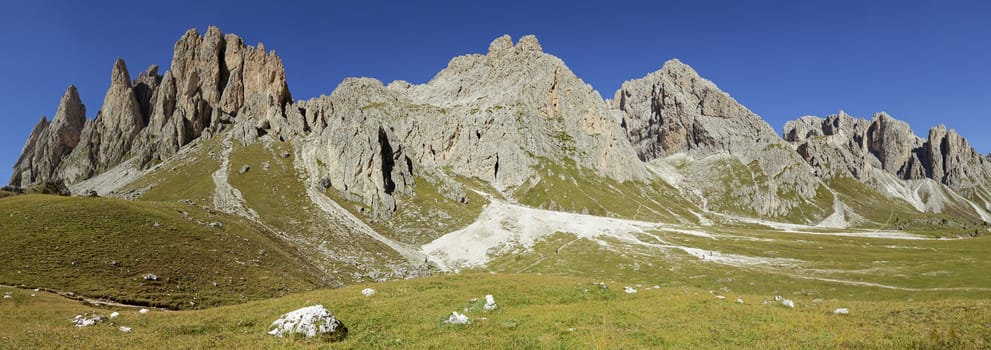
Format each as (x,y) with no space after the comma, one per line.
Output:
(88,300)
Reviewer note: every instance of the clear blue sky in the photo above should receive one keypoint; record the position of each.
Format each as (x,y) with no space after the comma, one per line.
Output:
(926,62)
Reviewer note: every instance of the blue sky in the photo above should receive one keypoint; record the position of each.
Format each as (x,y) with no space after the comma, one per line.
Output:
(925,62)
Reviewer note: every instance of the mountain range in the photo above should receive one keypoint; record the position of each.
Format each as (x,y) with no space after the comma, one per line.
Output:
(367,180)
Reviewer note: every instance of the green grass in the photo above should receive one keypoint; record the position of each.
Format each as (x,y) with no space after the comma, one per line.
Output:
(535,311)
(102,248)
(189,177)
(566,186)
(798,264)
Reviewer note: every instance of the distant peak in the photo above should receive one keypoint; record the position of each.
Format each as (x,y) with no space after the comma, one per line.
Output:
(675,64)
(120,74)
(529,43)
(71,96)
(504,44)
(500,44)
(71,91)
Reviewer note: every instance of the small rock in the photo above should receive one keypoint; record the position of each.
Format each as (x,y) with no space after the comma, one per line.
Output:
(216,224)
(739,301)
(285,154)
(156,224)
(368,292)
(245,169)
(629,290)
(788,303)
(150,277)
(82,321)
(266,166)
(125,329)
(457,318)
(842,311)
(114,314)
(143,311)
(490,303)
(720,297)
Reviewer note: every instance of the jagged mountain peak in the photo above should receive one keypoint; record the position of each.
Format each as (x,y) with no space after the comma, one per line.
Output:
(841,144)
(51,141)
(504,44)
(120,76)
(675,110)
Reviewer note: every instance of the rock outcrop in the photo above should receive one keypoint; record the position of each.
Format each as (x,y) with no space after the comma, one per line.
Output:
(492,117)
(843,145)
(676,111)
(214,78)
(49,143)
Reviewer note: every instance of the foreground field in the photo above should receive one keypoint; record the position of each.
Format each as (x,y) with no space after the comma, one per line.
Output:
(535,311)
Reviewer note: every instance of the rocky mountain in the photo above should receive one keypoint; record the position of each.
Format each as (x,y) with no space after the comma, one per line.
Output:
(492,117)
(513,124)
(148,119)
(676,111)
(871,150)
(50,142)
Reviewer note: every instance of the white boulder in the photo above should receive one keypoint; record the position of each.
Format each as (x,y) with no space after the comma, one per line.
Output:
(457,318)
(842,311)
(83,321)
(490,303)
(368,292)
(309,322)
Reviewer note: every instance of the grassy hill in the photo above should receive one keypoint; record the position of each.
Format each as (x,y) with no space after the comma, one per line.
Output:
(535,312)
(103,248)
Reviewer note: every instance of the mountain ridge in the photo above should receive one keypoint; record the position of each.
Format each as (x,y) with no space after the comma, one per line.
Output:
(498,118)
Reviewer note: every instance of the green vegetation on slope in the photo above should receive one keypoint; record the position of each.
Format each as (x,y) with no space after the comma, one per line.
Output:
(279,197)
(895,214)
(771,262)
(186,177)
(734,186)
(103,248)
(566,186)
(428,214)
(535,312)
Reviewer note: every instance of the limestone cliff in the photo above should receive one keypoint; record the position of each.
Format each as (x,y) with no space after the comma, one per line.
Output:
(843,145)
(49,143)
(676,111)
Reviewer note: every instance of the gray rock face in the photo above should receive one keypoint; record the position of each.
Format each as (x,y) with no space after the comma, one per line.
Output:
(490,117)
(844,145)
(674,110)
(49,143)
(214,78)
